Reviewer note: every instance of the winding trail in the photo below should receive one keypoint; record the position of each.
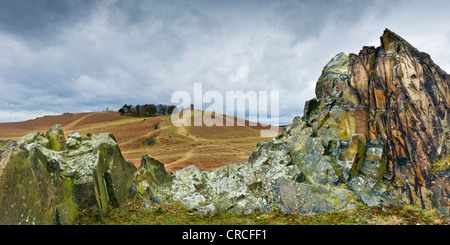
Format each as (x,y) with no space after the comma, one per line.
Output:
(72,124)
(142,136)
(186,157)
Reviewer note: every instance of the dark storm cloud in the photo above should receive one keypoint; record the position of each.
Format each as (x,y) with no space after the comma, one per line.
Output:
(71,56)
(42,20)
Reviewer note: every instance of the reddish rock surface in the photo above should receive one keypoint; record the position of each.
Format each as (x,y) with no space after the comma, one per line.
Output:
(395,95)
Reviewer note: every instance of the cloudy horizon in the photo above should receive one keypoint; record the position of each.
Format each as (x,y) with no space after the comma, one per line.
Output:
(82,55)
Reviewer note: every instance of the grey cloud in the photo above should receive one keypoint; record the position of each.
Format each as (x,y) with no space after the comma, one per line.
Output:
(60,56)
(42,20)
(309,18)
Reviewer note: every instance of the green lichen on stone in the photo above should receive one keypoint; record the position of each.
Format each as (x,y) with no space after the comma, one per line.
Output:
(337,65)
(39,185)
(25,188)
(66,207)
(56,139)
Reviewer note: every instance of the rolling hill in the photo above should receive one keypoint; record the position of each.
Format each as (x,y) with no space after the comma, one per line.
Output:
(176,147)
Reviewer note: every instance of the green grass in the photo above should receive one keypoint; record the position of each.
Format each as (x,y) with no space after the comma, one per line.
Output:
(172,213)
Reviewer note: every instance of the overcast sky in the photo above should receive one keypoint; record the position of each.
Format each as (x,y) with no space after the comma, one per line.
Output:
(83,55)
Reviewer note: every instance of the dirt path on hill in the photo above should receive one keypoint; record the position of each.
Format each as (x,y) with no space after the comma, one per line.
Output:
(143,136)
(188,155)
(72,124)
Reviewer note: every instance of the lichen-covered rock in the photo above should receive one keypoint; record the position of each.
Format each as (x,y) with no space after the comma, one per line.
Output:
(100,173)
(382,118)
(73,140)
(329,82)
(189,188)
(66,207)
(26,191)
(34,137)
(268,179)
(237,187)
(439,187)
(293,197)
(56,139)
(153,170)
(39,185)
(152,178)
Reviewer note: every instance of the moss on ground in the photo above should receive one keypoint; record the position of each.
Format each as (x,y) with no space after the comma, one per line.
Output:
(172,213)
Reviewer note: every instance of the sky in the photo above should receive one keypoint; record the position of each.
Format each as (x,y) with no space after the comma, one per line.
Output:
(89,55)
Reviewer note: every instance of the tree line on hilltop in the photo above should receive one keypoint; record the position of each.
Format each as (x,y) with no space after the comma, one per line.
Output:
(147,110)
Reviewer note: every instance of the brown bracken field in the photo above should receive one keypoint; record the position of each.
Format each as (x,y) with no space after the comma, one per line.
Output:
(176,147)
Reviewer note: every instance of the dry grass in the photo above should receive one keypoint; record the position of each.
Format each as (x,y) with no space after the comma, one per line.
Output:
(172,213)
(203,146)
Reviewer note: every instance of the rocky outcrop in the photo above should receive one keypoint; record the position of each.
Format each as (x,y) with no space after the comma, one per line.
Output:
(395,100)
(270,180)
(48,182)
(377,133)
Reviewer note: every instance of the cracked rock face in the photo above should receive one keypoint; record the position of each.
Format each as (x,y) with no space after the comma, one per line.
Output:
(384,120)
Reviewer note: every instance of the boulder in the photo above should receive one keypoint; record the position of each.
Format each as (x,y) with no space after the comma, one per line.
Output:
(101,175)
(152,178)
(40,185)
(56,138)
(153,170)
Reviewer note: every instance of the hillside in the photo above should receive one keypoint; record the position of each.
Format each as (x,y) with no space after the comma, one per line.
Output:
(177,147)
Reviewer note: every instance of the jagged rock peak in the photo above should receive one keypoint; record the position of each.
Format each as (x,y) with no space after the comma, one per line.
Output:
(397,99)
(391,42)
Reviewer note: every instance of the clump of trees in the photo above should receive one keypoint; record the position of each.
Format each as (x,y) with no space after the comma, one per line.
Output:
(147,110)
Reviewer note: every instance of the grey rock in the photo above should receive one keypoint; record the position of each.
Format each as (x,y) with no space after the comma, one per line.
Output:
(88,172)
(293,197)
